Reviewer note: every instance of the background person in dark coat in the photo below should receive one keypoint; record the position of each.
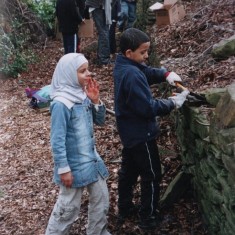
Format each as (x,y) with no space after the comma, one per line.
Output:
(70,14)
(116,7)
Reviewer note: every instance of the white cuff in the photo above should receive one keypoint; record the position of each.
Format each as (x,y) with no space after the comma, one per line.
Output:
(98,105)
(64,170)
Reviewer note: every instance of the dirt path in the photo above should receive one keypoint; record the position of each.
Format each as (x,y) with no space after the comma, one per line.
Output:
(27,193)
(25,164)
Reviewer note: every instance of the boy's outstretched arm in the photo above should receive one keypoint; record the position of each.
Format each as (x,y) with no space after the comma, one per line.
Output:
(158,75)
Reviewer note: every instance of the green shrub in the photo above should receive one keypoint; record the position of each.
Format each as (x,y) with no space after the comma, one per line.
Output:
(15,55)
(26,21)
(45,10)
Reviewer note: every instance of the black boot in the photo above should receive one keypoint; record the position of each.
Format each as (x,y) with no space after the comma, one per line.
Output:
(129,214)
(149,223)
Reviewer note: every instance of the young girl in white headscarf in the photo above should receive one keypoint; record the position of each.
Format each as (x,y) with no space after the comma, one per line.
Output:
(77,165)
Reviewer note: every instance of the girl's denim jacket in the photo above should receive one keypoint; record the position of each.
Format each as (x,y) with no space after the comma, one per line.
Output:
(73,142)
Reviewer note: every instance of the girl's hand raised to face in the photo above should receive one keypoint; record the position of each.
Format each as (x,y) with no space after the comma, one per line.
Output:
(92,91)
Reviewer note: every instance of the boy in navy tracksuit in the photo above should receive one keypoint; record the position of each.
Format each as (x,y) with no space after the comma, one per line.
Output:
(135,111)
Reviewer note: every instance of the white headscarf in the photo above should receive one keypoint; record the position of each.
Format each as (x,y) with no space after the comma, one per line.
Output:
(65,86)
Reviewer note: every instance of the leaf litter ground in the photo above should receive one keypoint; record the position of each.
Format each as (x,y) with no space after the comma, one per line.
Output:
(27,193)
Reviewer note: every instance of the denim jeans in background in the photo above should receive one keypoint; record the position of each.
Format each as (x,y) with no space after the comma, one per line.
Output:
(103,52)
(112,38)
(127,15)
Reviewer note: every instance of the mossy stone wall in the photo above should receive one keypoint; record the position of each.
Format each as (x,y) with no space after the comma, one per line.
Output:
(206,134)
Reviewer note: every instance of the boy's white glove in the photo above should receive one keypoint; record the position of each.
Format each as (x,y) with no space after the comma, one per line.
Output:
(179,98)
(172,77)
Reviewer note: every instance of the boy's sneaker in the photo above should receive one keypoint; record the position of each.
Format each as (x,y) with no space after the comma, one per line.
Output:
(149,223)
(132,212)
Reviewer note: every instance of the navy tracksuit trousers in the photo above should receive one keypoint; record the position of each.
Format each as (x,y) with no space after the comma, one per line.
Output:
(141,160)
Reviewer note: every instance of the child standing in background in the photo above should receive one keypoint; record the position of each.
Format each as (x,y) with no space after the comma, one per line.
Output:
(77,165)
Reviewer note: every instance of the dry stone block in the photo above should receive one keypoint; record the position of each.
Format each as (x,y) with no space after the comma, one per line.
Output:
(229,163)
(224,48)
(225,110)
(213,95)
(175,189)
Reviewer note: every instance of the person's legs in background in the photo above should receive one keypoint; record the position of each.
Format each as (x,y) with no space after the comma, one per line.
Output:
(103,52)
(131,14)
(78,45)
(71,43)
(112,31)
(123,16)
(112,38)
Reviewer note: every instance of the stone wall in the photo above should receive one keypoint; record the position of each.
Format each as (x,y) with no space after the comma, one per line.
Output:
(206,134)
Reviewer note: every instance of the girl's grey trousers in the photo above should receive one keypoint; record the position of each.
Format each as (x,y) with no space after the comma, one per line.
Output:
(67,209)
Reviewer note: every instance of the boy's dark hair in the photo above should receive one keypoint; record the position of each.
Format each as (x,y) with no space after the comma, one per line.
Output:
(131,39)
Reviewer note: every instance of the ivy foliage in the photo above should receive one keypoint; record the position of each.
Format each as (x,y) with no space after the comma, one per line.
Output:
(24,24)
(14,55)
(45,10)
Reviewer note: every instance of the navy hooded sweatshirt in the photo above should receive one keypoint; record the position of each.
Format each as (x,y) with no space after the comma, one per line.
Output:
(135,107)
